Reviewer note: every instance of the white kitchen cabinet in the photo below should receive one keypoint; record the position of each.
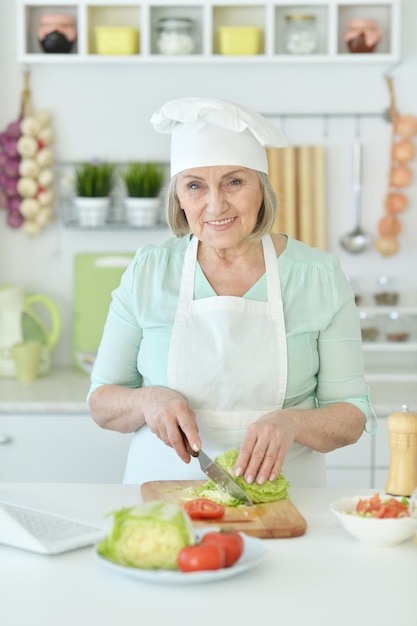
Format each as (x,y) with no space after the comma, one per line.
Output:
(349,477)
(382,454)
(352,466)
(208,16)
(60,448)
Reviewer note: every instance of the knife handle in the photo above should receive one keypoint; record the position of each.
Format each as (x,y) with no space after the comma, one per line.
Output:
(187,444)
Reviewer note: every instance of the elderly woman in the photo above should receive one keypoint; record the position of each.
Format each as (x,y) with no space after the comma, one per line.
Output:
(234,335)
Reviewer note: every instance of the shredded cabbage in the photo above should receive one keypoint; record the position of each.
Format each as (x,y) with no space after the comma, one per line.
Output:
(148,536)
(268,492)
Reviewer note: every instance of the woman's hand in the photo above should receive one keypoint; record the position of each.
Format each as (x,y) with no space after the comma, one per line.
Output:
(265,447)
(166,412)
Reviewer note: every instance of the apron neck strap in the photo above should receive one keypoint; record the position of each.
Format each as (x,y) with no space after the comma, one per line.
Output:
(273,282)
(188,271)
(271,269)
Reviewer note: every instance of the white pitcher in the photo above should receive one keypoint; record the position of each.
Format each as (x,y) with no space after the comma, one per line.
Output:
(19,322)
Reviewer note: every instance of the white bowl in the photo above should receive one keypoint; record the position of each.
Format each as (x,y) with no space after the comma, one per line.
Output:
(371,530)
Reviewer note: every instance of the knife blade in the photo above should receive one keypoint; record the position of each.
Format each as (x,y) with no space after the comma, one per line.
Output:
(217,474)
(222,478)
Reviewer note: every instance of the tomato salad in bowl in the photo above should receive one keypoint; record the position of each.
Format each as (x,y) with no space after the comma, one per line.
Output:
(376,520)
(387,508)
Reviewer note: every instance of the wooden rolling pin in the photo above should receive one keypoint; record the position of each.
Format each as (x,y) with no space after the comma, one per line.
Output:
(402,433)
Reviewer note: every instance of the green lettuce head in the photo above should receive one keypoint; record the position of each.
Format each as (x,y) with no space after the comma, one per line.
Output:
(148,536)
(268,492)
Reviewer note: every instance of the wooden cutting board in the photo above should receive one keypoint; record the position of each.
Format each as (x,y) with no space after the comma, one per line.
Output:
(271,520)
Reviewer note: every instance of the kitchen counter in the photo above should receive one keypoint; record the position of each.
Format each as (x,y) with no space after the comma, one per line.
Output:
(323,578)
(64,390)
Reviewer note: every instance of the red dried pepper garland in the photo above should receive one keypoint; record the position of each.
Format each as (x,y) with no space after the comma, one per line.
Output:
(400,175)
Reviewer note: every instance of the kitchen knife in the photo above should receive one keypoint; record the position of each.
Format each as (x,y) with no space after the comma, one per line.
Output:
(218,475)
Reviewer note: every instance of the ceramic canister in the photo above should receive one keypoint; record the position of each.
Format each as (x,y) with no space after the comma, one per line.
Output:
(362,36)
(57,33)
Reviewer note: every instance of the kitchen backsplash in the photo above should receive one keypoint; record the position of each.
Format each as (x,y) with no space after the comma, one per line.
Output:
(103,111)
(55,250)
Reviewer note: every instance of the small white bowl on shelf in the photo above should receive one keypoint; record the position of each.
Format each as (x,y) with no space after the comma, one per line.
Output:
(372,531)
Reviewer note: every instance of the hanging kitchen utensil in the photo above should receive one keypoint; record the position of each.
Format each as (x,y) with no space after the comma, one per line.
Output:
(357,240)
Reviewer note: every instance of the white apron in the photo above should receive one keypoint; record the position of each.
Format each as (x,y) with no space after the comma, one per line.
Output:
(228,358)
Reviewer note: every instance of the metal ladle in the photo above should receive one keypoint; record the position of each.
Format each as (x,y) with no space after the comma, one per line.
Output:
(357,240)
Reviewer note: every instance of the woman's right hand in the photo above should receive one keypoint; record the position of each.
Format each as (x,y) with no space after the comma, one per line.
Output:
(167,413)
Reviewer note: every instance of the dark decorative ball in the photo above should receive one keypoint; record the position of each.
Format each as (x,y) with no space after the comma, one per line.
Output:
(56,42)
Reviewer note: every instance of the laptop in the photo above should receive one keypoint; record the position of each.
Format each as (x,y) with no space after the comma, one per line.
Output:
(45,525)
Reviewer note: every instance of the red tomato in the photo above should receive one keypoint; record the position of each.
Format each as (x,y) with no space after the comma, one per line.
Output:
(230,541)
(375,507)
(202,508)
(201,557)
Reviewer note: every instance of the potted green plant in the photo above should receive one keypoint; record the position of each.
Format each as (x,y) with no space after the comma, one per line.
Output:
(93,184)
(143,182)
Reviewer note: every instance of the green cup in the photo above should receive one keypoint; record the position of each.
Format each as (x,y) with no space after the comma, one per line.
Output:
(26,357)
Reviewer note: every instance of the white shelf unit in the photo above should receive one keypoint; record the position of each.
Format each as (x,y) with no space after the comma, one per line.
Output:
(332,17)
(391,361)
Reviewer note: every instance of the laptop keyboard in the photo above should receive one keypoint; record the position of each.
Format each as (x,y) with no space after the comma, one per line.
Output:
(56,534)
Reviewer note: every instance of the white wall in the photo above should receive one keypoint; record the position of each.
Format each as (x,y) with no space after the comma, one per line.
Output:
(104,110)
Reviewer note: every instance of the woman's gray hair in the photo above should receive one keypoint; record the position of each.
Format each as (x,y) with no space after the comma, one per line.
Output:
(177,220)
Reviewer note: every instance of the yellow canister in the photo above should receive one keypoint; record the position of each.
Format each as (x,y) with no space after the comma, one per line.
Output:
(239,40)
(117,40)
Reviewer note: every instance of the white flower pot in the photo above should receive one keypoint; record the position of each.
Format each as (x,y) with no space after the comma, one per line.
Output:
(91,211)
(143,211)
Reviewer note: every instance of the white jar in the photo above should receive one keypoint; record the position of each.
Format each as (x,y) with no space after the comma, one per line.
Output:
(300,33)
(175,36)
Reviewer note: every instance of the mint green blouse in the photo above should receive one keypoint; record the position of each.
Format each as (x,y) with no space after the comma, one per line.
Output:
(325,358)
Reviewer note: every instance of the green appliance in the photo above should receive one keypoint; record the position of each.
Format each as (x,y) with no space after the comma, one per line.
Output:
(95,277)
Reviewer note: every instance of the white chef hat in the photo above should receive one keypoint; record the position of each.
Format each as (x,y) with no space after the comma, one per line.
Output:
(208,131)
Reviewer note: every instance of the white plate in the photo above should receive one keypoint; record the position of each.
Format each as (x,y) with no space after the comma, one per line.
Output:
(253,552)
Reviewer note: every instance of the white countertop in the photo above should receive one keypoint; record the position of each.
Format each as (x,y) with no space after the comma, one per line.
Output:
(324,578)
(64,390)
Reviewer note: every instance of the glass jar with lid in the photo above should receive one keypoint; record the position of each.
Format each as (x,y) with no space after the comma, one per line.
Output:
(300,33)
(386,293)
(175,35)
(398,327)
(369,327)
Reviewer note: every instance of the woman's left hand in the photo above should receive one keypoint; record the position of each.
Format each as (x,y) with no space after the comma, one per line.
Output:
(265,446)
